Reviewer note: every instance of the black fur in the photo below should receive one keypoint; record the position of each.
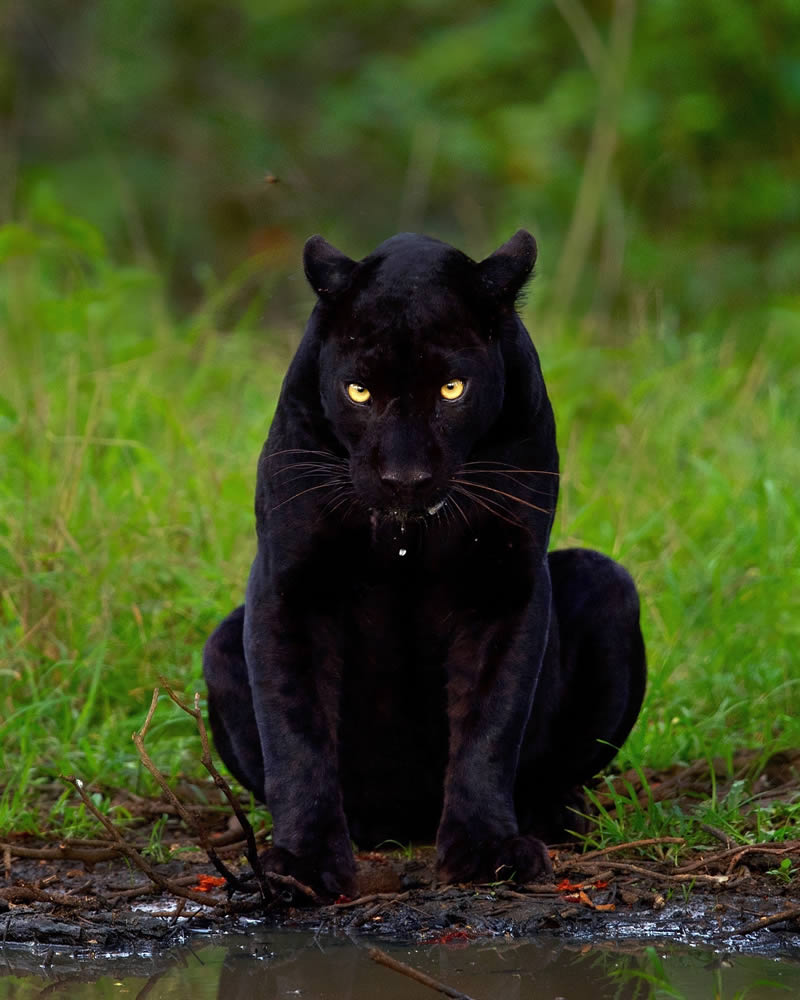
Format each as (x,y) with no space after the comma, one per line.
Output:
(409,662)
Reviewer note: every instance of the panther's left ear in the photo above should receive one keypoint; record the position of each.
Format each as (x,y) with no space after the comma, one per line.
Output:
(505,272)
(328,270)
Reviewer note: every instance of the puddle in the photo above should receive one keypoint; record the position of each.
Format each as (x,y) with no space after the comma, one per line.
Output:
(286,964)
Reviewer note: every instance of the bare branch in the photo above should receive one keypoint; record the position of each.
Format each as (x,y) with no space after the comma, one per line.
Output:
(420,977)
(191,821)
(793,913)
(224,787)
(130,852)
(603,851)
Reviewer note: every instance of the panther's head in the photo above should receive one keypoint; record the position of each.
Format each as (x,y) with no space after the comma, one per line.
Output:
(412,371)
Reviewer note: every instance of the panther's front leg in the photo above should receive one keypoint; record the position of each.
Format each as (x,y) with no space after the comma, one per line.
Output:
(492,675)
(295,681)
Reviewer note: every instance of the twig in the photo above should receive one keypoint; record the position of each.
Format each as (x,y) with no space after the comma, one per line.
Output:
(135,856)
(291,882)
(149,985)
(373,897)
(599,874)
(420,977)
(563,865)
(735,853)
(30,894)
(224,787)
(662,876)
(144,889)
(178,911)
(361,918)
(539,890)
(63,851)
(760,849)
(232,880)
(718,834)
(792,913)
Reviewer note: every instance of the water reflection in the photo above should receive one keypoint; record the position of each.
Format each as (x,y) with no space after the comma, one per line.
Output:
(284,965)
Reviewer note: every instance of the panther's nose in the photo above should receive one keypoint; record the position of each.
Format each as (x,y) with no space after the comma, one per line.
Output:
(406,481)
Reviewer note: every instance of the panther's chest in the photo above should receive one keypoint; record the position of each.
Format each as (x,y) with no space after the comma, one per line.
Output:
(395,632)
(393,725)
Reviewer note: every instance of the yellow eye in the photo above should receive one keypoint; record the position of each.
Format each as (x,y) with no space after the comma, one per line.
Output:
(452,389)
(358,393)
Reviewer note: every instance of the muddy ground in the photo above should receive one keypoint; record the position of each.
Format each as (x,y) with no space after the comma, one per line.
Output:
(126,891)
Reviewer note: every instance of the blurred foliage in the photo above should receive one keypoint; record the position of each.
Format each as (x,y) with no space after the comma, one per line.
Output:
(653,148)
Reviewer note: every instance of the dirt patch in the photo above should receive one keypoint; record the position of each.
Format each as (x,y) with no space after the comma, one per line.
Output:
(725,900)
(133,892)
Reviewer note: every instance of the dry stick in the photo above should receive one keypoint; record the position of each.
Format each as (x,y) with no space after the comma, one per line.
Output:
(373,897)
(230,839)
(759,848)
(232,880)
(420,977)
(791,914)
(136,857)
(663,877)
(735,853)
(222,785)
(598,874)
(115,895)
(368,914)
(63,851)
(252,850)
(564,865)
(716,833)
(151,982)
(85,842)
(16,894)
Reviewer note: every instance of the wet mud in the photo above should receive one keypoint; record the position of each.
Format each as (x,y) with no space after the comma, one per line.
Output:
(111,909)
(130,892)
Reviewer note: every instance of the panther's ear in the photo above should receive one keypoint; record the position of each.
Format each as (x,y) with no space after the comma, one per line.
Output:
(328,270)
(505,272)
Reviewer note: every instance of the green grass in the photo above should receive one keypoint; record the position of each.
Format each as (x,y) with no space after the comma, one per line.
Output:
(128,444)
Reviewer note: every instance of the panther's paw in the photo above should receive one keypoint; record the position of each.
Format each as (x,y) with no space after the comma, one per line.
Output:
(520,858)
(329,875)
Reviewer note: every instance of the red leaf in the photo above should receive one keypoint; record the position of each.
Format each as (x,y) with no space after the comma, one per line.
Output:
(450,937)
(206,882)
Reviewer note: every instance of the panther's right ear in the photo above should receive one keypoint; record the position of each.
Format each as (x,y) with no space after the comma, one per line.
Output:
(328,270)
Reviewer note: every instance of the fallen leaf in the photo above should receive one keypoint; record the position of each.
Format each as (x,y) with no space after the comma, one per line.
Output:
(206,882)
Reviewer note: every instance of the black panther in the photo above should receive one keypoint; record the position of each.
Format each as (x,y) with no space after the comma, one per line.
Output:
(409,661)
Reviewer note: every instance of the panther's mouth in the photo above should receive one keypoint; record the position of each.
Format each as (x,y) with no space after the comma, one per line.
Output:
(414,513)
(403,514)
